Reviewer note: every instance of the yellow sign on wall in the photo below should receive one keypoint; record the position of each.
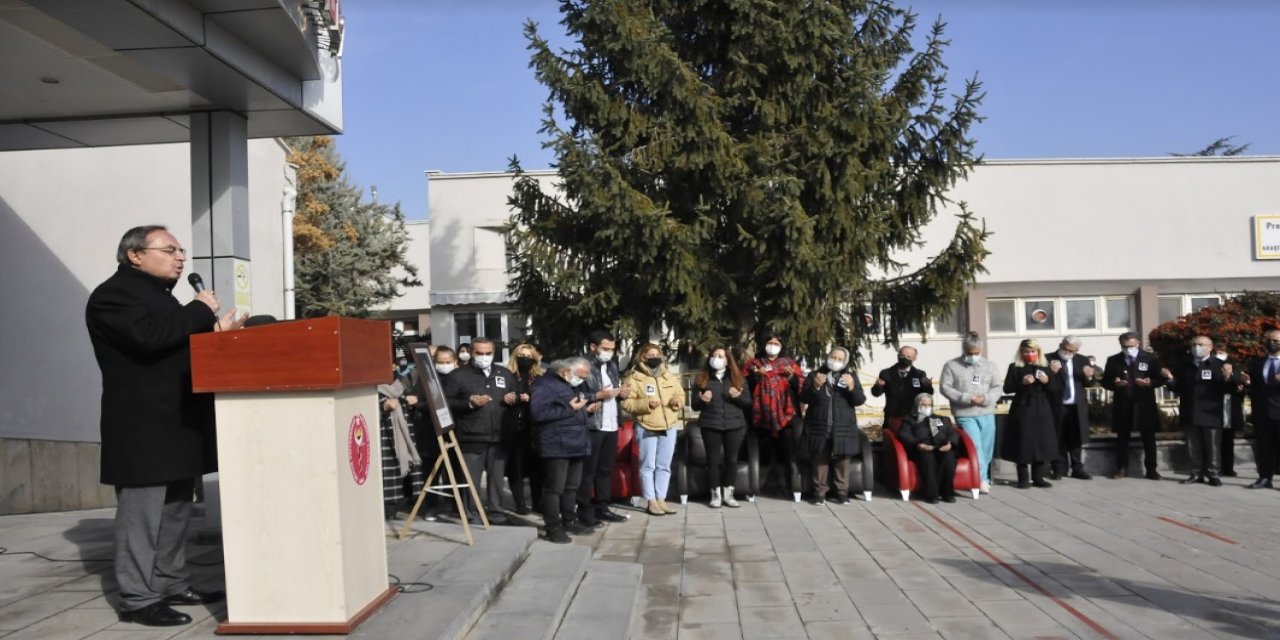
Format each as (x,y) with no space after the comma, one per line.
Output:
(244,290)
(1266,237)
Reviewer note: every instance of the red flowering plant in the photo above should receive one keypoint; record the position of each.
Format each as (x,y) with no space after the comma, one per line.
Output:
(1239,323)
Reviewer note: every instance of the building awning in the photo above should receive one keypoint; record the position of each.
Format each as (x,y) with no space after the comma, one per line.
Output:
(469,297)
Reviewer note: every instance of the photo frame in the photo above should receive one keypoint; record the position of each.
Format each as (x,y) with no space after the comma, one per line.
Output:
(431,389)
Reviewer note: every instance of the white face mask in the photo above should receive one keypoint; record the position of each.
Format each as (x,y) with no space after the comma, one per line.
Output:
(574,380)
(718,364)
(446,368)
(773,349)
(835,365)
(925,412)
(1132,352)
(1199,351)
(464,357)
(1221,356)
(484,361)
(972,359)
(604,356)
(1064,354)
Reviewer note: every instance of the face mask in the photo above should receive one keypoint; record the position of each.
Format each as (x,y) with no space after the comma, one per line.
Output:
(445,369)
(1199,351)
(904,362)
(773,349)
(1030,358)
(464,357)
(925,412)
(402,362)
(1132,352)
(604,356)
(574,380)
(524,363)
(835,365)
(653,363)
(718,364)
(1221,356)
(484,361)
(1064,354)
(971,359)
(1273,346)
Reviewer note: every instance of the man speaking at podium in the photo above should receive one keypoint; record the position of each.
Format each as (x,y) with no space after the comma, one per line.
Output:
(157,436)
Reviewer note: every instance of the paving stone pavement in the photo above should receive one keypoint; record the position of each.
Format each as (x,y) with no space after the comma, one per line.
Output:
(1086,559)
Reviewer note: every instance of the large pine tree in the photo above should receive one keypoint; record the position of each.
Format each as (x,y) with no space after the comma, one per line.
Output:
(732,166)
(349,255)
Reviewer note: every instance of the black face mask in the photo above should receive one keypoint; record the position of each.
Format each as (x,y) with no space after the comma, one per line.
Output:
(653,363)
(1273,346)
(524,363)
(904,362)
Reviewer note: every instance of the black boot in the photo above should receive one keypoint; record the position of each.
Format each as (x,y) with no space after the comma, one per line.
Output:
(1037,476)
(1023,482)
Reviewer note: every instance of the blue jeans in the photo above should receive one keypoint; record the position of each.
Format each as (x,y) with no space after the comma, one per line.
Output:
(983,431)
(656,449)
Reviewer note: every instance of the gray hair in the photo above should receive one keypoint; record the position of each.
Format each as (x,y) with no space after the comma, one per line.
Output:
(920,397)
(135,239)
(1072,340)
(971,341)
(835,349)
(567,364)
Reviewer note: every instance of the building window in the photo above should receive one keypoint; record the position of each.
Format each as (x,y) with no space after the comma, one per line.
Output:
(1173,306)
(1000,316)
(1082,314)
(1119,313)
(955,324)
(1170,308)
(1038,315)
(507,328)
(1200,302)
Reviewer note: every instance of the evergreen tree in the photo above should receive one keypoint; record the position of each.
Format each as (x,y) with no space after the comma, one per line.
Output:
(349,255)
(1219,147)
(727,167)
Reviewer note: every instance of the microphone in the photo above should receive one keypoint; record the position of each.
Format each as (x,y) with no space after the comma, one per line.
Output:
(196,282)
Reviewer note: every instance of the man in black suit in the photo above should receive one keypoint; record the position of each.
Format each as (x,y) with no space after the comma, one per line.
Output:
(1263,383)
(481,397)
(900,384)
(1132,376)
(1071,411)
(1201,381)
(1232,415)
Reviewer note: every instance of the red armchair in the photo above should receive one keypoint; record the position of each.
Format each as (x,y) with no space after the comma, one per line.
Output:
(900,471)
(626,469)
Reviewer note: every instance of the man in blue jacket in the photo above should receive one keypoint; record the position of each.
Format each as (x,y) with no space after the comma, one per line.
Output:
(558,406)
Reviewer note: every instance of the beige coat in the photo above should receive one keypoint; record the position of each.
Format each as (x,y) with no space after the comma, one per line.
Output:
(645,386)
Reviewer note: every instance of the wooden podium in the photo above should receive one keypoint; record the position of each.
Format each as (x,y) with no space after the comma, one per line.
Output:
(300,465)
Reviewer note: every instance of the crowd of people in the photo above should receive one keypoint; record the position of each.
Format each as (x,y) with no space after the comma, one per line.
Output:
(556,425)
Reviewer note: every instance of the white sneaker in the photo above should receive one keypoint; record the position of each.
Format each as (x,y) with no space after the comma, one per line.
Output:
(986,487)
(729,500)
(715,498)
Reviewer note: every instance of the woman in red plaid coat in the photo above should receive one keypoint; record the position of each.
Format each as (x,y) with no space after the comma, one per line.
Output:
(775,406)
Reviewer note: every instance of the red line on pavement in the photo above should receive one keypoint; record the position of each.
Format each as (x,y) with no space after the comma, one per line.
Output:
(1102,631)
(1197,530)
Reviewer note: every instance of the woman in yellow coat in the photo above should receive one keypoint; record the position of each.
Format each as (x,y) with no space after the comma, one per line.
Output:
(655,400)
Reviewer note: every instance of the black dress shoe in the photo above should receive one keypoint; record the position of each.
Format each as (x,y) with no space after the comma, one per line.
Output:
(1041,483)
(576,529)
(1081,475)
(1191,479)
(558,536)
(1261,483)
(609,516)
(1215,481)
(194,597)
(1023,484)
(841,500)
(1054,475)
(157,614)
(949,499)
(1230,474)
(1154,475)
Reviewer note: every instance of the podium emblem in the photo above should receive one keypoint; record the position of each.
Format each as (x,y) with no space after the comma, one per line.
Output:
(358,448)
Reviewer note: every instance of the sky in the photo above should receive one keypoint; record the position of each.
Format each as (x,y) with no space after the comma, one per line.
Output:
(446,85)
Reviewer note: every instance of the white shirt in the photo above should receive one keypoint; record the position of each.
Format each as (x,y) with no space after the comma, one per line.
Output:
(608,408)
(1067,366)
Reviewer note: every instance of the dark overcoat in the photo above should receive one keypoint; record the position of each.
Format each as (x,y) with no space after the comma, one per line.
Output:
(154,429)
(1031,432)
(562,430)
(831,414)
(1133,408)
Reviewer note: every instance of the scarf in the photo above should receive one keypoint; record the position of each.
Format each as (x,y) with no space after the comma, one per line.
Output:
(772,404)
(406,454)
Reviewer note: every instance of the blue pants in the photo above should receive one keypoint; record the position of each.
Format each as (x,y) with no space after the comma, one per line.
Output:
(656,449)
(983,431)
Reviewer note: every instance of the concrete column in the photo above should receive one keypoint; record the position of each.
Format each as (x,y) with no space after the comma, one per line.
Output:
(220,205)
(976,312)
(1147,301)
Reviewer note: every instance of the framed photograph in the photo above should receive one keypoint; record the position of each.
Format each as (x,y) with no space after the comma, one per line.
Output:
(430,387)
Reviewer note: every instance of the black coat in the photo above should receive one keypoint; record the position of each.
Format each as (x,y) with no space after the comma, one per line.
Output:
(900,390)
(561,429)
(914,430)
(1133,407)
(1077,433)
(1030,435)
(1200,387)
(1264,394)
(487,423)
(722,413)
(831,415)
(154,429)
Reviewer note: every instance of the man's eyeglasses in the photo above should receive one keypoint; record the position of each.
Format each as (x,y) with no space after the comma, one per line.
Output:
(169,250)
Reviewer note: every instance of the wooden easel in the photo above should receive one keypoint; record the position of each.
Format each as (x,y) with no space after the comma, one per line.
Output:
(451,444)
